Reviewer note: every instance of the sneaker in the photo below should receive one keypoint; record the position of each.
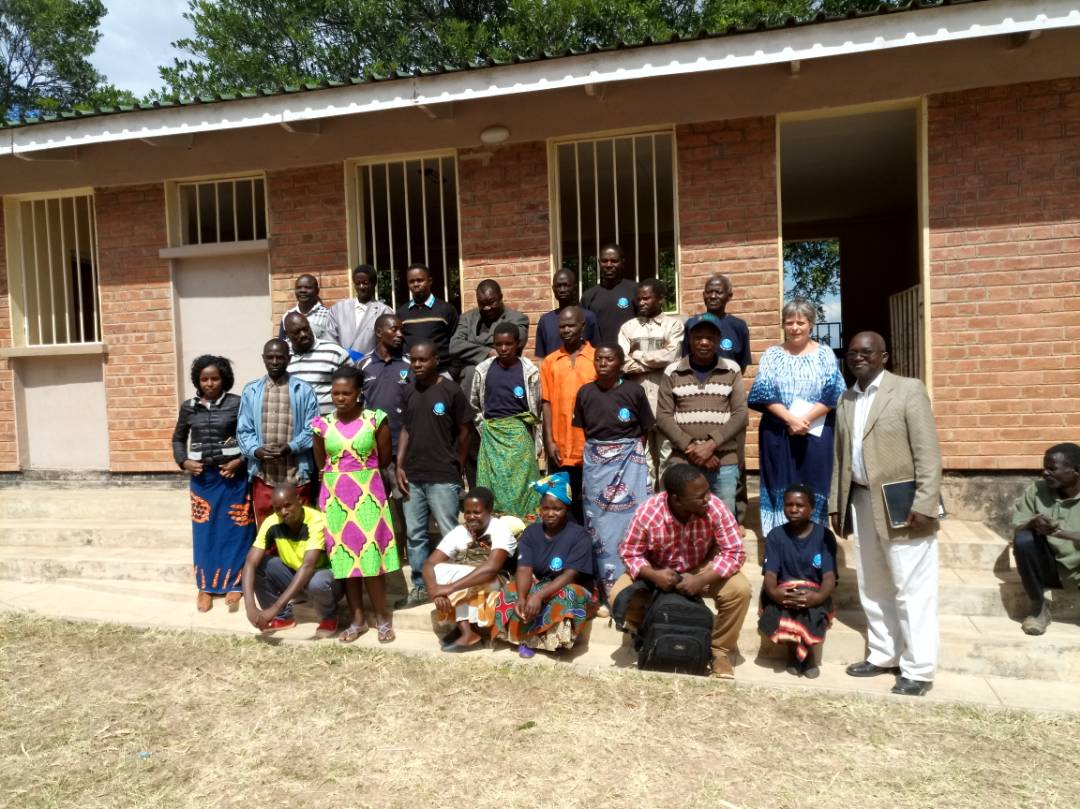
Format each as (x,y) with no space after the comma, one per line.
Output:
(327,625)
(1036,623)
(417,596)
(280,623)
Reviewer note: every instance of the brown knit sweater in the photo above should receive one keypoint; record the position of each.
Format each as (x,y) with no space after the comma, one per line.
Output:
(689,410)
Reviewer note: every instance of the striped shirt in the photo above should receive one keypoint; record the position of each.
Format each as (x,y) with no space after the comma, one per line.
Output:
(318,318)
(693,408)
(657,540)
(316,367)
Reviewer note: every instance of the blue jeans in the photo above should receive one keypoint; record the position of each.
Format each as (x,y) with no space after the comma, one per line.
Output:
(436,499)
(1036,564)
(723,481)
(273,576)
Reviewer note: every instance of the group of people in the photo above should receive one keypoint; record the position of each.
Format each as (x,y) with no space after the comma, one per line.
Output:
(370,422)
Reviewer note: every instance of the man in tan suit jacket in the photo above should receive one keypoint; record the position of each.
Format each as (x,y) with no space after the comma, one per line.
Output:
(885,433)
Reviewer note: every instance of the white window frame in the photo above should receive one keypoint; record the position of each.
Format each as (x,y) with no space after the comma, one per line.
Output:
(618,236)
(174,211)
(359,221)
(19,274)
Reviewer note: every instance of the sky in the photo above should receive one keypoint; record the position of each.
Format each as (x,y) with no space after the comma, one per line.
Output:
(135,41)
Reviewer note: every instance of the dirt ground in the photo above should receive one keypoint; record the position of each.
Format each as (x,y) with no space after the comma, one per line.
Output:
(106,716)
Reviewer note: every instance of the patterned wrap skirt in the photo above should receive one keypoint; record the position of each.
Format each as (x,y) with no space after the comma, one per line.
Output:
(222,529)
(555,627)
(507,465)
(615,481)
(804,628)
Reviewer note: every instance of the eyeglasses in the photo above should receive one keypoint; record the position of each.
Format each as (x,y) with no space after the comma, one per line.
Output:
(862,352)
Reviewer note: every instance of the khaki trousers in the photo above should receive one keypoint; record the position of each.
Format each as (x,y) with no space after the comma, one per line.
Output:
(732,598)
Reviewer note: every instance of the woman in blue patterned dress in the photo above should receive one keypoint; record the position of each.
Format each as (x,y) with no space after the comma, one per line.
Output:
(796,384)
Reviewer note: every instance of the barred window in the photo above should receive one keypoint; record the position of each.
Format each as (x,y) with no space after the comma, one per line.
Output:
(406,211)
(619,189)
(52,270)
(221,211)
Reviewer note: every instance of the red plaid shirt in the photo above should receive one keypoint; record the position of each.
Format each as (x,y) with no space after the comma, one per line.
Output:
(658,540)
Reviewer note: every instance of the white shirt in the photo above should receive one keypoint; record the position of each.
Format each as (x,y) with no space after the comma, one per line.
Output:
(863,402)
(459,539)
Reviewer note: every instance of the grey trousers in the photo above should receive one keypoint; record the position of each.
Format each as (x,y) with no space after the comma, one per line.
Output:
(272,576)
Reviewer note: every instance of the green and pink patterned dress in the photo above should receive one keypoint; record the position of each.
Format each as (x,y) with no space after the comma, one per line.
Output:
(359,534)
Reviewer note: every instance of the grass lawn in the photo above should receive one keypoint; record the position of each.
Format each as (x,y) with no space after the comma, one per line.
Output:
(105,716)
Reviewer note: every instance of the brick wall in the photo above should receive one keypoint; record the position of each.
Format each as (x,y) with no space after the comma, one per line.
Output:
(505,227)
(137,327)
(307,225)
(728,224)
(9,449)
(1004,165)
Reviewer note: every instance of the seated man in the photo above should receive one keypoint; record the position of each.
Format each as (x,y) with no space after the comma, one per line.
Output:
(685,539)
(466,566)
(1046,542)
(300,566)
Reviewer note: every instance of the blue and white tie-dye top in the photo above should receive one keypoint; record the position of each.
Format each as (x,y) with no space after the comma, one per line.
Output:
(782,378)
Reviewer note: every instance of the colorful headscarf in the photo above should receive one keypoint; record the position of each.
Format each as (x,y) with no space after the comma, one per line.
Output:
(557,485)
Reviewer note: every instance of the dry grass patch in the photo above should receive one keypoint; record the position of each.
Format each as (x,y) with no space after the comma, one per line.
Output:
(106,716)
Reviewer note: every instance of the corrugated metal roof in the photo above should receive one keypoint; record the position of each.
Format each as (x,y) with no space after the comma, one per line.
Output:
(791,22)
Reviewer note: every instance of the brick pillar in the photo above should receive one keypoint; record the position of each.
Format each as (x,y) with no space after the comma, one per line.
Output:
(307,227)
(9,445)
(728,224)
(505,227)
(1004,169)
(137,327)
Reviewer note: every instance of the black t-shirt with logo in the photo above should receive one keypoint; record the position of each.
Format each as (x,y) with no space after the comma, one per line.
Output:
(504,391)
(622,412)
(612,308)
(432,415)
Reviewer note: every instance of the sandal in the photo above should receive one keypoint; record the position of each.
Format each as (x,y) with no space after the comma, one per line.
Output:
(386,632)
(352,632)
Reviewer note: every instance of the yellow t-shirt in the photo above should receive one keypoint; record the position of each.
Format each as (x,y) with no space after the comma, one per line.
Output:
(292,549)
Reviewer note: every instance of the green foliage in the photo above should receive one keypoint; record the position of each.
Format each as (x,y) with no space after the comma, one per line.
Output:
(44,50)
(241,44)
(812,270)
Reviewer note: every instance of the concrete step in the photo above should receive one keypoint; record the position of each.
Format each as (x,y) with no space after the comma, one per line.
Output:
(976,645)
(114,503)
(961,591)
(962,546)
(605,649)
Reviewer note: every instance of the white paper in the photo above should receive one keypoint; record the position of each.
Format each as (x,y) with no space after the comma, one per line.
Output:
(800,407)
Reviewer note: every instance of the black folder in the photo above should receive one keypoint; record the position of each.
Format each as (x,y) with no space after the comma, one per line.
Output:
(899,498)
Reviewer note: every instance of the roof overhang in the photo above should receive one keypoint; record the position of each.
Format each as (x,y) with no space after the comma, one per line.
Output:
(797,44)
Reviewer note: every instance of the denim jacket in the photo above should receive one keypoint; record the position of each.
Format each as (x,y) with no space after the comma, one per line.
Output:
(305,407)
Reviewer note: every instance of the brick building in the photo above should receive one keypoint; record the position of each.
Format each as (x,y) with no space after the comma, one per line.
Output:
(940,145)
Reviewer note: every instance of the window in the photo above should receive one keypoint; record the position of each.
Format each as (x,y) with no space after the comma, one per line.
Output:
(52,270)
(406,211)
(619,189)
(812,271)
(220,211)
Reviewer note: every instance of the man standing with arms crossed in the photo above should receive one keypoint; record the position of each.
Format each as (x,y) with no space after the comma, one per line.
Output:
(885,434)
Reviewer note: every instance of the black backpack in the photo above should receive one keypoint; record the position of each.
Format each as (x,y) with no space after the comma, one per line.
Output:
(676,635)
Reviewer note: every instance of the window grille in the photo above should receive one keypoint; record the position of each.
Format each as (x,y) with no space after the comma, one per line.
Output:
(221,211)
(406,211)
(53,275)
(619,189)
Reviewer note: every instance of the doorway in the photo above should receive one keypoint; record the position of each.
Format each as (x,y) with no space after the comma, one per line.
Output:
(222,307)
(850,215)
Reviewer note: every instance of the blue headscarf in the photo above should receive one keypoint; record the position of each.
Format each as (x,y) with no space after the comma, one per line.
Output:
(557,485)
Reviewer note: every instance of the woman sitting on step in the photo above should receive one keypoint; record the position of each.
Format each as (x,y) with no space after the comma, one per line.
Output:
(800,576)
(553,593)
(467,567)
(204,446)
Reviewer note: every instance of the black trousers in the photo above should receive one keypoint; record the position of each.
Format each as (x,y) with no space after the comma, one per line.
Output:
(1036,564)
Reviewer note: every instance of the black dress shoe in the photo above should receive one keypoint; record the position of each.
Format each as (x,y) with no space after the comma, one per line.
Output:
(911,688)
(868,669)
